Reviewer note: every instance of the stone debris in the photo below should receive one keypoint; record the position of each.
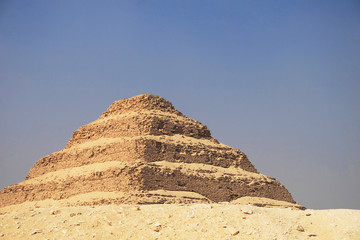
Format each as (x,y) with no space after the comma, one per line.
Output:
(136,208)
(109,222)
(55,212)
(157,227)
(300,228)
(247,210)
(233,231)
(36,231)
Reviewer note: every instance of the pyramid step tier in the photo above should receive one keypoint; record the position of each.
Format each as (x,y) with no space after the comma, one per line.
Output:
(132,124)
(176,148)
(215,183)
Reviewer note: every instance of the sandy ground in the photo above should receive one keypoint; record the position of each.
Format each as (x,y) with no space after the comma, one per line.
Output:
(177,221)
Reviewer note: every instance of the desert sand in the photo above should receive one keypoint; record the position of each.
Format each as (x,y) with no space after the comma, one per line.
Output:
(176,221)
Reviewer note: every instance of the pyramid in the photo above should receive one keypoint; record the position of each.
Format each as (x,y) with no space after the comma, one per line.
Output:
(142,150)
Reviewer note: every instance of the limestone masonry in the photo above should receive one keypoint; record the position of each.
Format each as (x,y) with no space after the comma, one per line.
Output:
(142,150)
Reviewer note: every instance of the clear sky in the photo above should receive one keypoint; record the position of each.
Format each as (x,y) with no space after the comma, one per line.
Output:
(279,80)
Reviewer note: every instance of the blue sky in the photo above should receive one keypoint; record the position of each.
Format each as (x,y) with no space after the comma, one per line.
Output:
(278,80)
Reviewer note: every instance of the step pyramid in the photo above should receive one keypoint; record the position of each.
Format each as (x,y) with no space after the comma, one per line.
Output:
(142,150)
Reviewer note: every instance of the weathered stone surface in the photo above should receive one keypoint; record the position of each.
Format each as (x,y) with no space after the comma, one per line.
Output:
(144,144)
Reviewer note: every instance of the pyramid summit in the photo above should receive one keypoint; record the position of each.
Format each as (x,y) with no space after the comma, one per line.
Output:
(142,150)
(140,103)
